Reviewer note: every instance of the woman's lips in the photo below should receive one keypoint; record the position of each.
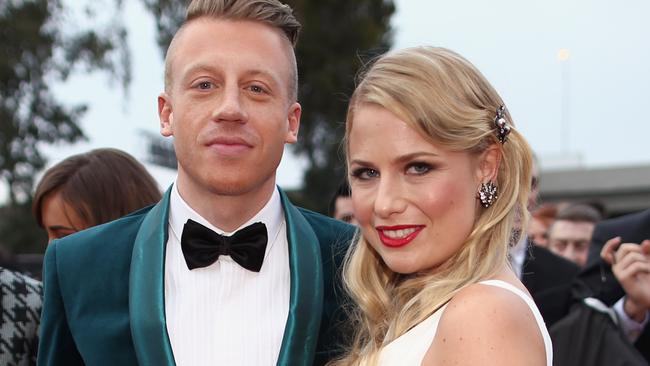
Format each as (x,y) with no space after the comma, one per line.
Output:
(398,235)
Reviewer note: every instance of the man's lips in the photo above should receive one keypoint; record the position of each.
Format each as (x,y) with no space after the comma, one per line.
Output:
(229,145)
(398,235)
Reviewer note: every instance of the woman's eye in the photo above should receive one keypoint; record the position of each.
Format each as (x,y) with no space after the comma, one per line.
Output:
(365,173)
(419,168)
(63,233)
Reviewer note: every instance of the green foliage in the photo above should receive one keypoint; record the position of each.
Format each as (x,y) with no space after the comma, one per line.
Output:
(20,232)
(34,53)
(169,15)
(40,45)
(337,38)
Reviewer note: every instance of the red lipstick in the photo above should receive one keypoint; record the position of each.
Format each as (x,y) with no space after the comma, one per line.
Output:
(400,235)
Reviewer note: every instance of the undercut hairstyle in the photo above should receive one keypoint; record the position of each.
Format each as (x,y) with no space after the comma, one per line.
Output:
(450,103)
(270,12)
(100,186)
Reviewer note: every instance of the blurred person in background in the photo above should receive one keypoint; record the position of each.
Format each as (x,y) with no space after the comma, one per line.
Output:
(89,189)
(340,206)
(533,197)
(570,234)
(548,277)
(541,220)
(79,192)
(617,273)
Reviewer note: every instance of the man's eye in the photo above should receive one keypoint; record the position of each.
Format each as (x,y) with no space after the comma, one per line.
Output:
(256,89)
(204,85)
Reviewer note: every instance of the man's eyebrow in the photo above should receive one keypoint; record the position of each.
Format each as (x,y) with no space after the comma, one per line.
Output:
(197,67)
(255,72)
(209,68)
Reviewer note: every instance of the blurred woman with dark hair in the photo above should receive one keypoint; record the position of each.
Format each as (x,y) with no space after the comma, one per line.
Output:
(90,189)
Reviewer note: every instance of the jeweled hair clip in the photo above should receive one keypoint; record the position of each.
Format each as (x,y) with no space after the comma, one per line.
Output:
(503,129)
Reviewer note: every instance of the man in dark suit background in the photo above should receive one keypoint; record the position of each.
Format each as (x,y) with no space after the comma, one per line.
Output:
(547,276)
(162,286)
(601,282)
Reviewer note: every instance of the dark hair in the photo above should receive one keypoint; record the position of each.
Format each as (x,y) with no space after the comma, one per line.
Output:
(342,191)
(579,212)
(101,185)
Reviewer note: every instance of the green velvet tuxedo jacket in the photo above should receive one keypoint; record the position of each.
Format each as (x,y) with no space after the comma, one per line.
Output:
(104,291)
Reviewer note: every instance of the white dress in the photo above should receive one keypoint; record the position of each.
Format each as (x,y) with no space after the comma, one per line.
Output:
(410,348)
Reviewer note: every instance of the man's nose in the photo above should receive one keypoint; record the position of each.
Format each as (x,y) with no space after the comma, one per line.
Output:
(229,106)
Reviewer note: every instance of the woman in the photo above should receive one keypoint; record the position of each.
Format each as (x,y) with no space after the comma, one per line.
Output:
(439,177)
(90,189)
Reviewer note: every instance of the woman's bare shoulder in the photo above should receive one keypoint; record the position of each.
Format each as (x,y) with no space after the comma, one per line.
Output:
(487,325)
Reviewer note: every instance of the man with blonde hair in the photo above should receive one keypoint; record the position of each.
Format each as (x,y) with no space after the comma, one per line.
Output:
(224,270)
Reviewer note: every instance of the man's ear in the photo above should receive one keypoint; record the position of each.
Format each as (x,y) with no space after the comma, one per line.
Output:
(165,115)
(293,119)
(488,164)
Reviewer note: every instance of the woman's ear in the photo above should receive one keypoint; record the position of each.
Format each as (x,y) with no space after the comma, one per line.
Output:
(488,164)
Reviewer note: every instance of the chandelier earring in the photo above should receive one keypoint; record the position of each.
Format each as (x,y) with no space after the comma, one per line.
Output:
(487,194)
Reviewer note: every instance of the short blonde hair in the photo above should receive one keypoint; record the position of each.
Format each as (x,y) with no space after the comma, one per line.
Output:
(448,101)
(270,12)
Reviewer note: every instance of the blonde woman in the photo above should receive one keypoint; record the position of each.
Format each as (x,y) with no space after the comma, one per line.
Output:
(438,175)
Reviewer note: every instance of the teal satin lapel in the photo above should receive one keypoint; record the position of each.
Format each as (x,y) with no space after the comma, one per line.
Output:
(147,288)
(306,303)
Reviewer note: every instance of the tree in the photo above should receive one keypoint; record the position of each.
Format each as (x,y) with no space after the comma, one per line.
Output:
(337,38)
(38,47)
(34,52)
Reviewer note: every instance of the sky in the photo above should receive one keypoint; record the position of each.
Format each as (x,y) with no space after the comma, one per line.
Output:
(587,110)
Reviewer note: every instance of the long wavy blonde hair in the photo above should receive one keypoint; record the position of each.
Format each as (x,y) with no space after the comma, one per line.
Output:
(447,100)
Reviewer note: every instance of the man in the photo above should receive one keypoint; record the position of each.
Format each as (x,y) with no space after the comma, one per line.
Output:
(547,276)
(340,206)
(160,286)
(616,288)
(570,234)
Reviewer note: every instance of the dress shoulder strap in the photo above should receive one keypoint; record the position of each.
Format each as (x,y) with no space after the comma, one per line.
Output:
(531,304)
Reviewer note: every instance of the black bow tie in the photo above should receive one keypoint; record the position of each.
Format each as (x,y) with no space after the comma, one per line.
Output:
(202,246)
